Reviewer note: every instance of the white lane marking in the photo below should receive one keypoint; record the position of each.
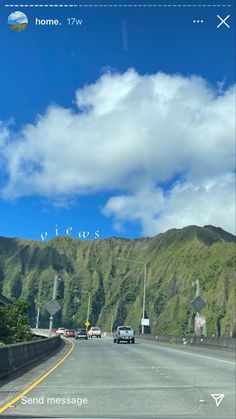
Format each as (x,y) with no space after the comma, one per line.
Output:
(191,353)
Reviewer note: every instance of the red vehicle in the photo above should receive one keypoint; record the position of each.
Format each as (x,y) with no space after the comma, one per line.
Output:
(69,333)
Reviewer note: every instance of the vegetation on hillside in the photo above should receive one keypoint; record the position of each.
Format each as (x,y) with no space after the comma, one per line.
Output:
(174,260)
(14,326)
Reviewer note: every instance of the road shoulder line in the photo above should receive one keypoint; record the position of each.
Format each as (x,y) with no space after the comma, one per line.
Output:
(38,381)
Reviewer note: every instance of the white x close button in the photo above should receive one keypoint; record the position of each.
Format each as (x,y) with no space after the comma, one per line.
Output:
(223,21)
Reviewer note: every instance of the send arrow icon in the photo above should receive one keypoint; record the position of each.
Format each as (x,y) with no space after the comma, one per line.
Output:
(218,398)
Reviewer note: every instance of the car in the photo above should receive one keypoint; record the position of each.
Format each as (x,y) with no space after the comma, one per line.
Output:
(60,330)
(81,334)
(69,333)
(94,331)
(124,334)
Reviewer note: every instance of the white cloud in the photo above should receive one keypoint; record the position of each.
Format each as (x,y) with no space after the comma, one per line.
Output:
(4,133)
(4,137)
(18,17)
(130,133)
(209,201)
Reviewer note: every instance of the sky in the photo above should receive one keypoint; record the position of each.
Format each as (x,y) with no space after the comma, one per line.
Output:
(17,18)
(120,126)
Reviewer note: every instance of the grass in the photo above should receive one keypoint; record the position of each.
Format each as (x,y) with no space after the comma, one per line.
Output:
(17,27)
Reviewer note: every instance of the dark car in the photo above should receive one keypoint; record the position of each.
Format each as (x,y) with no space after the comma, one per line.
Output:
(69,333)
(81,334)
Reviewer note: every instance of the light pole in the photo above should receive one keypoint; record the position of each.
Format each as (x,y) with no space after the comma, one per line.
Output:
(88,308)
(144,284)
(54,297)
(37,318)
(37,307)
(196,284)
(112,321)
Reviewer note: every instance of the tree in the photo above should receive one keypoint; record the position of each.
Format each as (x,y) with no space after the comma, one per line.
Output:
(14,326)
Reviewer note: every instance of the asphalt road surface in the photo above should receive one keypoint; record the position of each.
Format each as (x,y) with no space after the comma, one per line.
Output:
(100,379)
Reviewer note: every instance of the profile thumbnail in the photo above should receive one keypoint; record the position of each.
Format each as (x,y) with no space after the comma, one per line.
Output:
(17,21)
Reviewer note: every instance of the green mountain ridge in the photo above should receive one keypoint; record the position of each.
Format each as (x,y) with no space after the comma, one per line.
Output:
(174,260)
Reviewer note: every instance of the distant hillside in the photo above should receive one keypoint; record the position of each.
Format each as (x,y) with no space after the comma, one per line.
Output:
(174,259)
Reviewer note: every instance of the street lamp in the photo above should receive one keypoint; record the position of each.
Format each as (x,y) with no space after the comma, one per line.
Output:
(144,284)
(38,313)
(87,292)
(54,297)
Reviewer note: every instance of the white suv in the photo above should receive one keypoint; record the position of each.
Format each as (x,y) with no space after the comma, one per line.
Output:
(94,331)
(60,330)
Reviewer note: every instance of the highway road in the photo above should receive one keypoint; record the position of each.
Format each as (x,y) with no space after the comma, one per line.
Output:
(100,379)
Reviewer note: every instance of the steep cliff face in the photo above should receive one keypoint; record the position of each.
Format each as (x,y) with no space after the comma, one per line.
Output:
(174,259)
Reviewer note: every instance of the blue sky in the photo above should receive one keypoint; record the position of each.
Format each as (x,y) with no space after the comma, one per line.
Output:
(17,18)
(123,125)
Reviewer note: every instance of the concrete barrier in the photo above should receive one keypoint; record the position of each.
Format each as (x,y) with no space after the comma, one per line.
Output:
(16,356)
(219,342)
(41,332)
